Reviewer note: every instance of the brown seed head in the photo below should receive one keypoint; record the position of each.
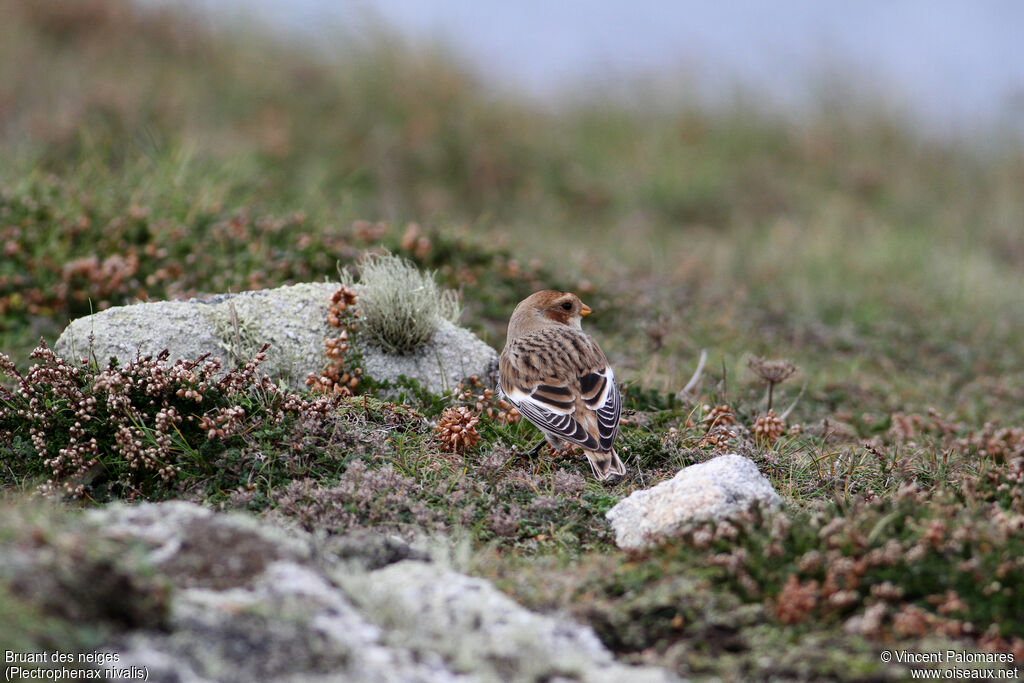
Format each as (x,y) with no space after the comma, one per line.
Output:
(768,428)
(772,371)
(456,429)
(719,415)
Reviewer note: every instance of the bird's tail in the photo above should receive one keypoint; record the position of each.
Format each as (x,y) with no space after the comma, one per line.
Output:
(605,464)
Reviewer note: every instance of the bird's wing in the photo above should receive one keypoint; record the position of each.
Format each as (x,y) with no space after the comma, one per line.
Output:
(564,426)
(563,384)
(607,406)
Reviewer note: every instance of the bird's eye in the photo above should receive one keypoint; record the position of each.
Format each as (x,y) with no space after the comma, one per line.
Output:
(567,306)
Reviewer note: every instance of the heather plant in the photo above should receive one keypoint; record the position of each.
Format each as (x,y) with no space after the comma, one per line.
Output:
(137,429)
(68,254)
(886,569)
(342,374)
(1002,485)
(399,306)
(380,498)
(402,490)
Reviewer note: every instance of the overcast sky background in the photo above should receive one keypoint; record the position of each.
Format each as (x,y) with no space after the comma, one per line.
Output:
(954,65)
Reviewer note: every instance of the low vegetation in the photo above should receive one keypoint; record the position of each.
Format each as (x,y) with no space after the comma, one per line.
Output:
(399,306)
(855,284)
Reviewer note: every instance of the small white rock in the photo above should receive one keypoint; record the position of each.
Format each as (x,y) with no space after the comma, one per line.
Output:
(718,489)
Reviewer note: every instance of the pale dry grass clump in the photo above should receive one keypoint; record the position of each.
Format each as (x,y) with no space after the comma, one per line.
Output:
(399,305)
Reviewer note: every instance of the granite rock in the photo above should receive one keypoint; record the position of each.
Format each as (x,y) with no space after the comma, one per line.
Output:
(249,599)
(232,327)
(718,489)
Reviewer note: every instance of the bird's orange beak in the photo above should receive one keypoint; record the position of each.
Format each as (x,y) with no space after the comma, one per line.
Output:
(584,309)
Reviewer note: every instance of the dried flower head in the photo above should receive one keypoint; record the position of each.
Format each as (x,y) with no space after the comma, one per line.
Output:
(657,331)
(366,231)
(768,428)
(718,416)
(456,429)
(796,601)
(717,438)
(414,241)
(912,621)
(341,300)
(772,371)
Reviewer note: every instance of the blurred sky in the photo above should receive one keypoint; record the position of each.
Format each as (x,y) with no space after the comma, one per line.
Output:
(951,64)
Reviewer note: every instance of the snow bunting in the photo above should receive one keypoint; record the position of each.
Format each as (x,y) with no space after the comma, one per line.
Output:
(558,378)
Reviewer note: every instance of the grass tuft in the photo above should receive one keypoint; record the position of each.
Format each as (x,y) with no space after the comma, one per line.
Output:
(399,305)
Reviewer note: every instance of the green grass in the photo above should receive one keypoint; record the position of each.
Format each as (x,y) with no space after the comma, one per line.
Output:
(146,157)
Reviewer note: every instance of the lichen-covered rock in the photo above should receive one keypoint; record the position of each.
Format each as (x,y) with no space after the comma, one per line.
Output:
(718,489)
(233,327)
(230,328)
(291,624)
(188,542)
(477,629)
(452,354)
(54,564)
(373,550)
(250,600)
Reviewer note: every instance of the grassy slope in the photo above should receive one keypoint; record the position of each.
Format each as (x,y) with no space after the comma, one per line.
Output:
(145,157)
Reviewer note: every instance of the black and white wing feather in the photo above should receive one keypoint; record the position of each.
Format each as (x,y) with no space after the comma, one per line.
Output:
(560,381)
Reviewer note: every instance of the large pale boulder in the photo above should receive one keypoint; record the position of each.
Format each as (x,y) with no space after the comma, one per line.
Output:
(477,628)
(232,328)
(249,600)
(718,489)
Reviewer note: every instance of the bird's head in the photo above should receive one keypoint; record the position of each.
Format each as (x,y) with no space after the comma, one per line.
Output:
(551,306)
